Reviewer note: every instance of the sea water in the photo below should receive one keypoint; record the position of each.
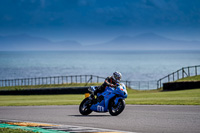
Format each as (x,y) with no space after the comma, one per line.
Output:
(134,65)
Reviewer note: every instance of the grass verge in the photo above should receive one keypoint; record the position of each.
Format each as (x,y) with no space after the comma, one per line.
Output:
(152,97)
(8,130)
(192,78)
(182,97)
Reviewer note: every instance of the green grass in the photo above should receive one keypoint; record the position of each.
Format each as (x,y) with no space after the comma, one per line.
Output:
(192,78)
(183,97)
(8,130)
(152,97)
(31,100)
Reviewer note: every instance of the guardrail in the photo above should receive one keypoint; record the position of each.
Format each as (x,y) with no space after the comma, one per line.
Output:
(181,73)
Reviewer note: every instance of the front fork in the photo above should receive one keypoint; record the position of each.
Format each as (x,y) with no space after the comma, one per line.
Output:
(93,99)
(117,100)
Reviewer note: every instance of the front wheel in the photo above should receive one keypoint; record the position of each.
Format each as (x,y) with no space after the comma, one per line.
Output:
(84,107)
(115,110)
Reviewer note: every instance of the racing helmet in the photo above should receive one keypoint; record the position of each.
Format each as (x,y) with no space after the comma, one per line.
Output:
(117,76)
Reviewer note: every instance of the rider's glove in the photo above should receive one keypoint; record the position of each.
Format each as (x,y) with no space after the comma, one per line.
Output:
(112,85)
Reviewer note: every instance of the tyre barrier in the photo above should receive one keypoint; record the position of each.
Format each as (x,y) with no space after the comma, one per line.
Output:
(181,85)
(46,91)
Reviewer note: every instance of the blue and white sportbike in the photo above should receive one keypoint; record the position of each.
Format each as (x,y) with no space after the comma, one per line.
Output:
(112,100)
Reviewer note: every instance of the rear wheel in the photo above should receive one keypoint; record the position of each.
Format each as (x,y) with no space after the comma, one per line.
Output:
(84,107)
(115,110)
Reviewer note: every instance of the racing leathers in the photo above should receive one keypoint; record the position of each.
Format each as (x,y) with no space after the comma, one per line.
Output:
(109,81)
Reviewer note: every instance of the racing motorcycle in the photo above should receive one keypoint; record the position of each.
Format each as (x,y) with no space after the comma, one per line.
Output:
(112,100)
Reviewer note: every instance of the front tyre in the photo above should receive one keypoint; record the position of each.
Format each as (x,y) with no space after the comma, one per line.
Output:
(115,110)
(84,107)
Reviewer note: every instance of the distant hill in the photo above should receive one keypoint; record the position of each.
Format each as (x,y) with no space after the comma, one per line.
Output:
(27,42)
(147,41)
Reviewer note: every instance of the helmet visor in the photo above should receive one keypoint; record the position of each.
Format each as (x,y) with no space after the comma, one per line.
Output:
(117,78)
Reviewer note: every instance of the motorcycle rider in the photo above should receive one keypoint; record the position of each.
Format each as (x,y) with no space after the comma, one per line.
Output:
(109,81)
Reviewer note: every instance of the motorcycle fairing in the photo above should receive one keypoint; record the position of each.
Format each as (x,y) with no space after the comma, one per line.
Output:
(103,105)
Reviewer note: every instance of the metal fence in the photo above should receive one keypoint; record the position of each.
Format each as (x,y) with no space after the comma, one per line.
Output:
(141,85)
(179,74)
(138,85)
(61,80)
(56,80)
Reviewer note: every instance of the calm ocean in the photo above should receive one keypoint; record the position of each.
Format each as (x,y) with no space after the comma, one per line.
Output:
(134,65)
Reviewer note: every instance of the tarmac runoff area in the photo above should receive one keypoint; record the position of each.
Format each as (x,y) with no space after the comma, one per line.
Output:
(52,128)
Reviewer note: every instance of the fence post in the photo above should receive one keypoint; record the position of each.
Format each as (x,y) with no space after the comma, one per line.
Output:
(160,84)
(177,75)
(157,84)
(195,70)
(6,82)
(168,78)
(188,71)
(97,79)
(67,79)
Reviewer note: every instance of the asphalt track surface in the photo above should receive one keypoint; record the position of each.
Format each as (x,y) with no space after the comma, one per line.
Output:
(135,118)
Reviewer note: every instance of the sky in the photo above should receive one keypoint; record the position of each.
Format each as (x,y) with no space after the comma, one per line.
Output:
(97,21)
